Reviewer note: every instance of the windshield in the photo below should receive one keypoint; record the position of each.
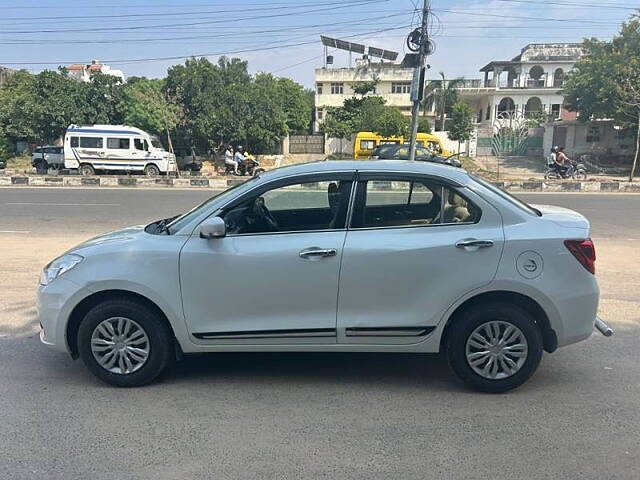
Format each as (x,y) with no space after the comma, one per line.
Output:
(157,144)
(185,218)
(507,196)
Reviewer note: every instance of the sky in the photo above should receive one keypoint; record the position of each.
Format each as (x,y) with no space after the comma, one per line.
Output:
(146,37)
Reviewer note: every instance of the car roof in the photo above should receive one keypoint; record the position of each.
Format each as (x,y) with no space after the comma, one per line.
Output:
(457,175)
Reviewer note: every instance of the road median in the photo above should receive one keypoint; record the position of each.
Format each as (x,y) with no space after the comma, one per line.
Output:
(224,182)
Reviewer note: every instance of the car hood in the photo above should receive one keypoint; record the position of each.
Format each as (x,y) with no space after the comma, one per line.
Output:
(124,235)
(563,216)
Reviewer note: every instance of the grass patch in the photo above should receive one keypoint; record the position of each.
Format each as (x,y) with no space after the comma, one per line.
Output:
(19,163)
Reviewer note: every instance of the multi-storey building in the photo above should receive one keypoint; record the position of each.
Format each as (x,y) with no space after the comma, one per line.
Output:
(334,85)
(83,72)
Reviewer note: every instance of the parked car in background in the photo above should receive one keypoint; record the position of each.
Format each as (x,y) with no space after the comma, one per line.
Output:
(44,158)
(3,164)
(423,154)
(342,256)
(189,158)
(115,148)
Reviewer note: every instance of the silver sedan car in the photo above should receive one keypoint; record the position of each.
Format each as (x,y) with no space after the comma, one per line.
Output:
(370,256)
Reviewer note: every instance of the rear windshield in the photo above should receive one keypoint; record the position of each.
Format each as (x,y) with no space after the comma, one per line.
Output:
(507,196)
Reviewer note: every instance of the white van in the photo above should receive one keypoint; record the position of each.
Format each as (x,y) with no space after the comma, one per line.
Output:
(115,148)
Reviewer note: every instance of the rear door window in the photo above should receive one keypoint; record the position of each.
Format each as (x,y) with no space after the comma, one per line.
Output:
(118,143)
(403,203)
(90,142)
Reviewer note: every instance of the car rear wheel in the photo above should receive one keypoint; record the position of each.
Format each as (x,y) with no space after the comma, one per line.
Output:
(42,167)
(494,347)
(87,170)
(124,343)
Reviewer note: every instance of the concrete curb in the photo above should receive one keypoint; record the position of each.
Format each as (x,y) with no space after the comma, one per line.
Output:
(222,183)
(218,183)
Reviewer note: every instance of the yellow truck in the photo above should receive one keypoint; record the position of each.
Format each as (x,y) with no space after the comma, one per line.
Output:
(366,142)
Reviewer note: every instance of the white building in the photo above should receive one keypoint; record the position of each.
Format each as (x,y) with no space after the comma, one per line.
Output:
(83,73)
(529,85)
(334,85)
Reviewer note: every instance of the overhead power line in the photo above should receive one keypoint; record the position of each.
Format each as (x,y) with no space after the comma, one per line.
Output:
(571,4)
(287,29)
(208,22)
(181,14)
(215,54)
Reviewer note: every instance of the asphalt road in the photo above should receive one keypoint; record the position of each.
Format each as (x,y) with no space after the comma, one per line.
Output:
(308,416)
(53,210)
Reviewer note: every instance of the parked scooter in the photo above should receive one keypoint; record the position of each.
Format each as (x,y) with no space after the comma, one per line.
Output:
(576,171)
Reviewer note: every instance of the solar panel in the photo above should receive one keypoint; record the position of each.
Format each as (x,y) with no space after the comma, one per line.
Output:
(342,44)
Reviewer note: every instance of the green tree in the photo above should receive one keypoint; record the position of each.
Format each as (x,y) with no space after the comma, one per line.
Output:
(441,94)
(223,103)
(424,125)
(39,108)
(461,128)
(6,149)
(391,123)
(144,105)
(365,114)
(604,84)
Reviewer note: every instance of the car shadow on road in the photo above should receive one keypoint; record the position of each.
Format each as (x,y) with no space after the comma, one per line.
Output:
(313,368)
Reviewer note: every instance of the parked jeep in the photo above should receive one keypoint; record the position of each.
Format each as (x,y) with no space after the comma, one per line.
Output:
(188,158)
(44,158)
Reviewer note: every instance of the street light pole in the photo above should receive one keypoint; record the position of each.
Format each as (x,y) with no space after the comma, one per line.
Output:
(418,78)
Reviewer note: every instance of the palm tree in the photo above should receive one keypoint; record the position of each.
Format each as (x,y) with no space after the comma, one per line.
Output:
(441,94)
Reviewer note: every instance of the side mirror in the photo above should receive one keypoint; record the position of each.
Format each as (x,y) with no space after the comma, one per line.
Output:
(213,227)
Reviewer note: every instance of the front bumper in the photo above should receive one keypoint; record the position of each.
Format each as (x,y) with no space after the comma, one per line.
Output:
(55,302)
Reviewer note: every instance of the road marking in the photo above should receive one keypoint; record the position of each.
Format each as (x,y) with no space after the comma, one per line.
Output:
(43,204)
(15,231)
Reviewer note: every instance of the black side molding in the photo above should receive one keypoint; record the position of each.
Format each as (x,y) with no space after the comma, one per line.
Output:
(389,331)
(296,333)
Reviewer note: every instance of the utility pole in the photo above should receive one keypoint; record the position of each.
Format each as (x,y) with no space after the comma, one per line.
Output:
(424,48)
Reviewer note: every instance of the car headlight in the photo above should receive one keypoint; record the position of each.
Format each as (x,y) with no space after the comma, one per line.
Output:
(58,267)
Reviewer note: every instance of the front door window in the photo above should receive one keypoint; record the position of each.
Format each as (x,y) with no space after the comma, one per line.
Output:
(298,207)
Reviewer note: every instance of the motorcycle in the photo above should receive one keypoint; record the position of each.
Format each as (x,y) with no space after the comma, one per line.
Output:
(575,171)
(250,167)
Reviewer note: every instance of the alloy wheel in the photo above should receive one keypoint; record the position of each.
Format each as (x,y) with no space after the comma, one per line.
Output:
(120,345)
(496,350)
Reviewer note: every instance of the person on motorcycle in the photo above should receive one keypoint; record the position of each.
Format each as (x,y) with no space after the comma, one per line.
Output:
(562,161)
(240,159)
(229,159)
(551,159)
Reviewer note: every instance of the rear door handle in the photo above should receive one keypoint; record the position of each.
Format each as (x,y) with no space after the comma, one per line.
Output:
(318,252)
(474,243)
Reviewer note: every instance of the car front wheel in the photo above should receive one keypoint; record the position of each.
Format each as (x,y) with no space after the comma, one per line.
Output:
(494,347)
(124,343)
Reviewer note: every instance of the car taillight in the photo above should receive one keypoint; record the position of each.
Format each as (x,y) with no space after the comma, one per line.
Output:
(585,253)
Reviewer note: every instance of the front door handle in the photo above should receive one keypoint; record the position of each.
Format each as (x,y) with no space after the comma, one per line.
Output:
(318,252)
(474,243)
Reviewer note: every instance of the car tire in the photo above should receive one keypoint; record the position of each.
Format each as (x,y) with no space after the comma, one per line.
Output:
(506,364)
(42,167)
(87,170)
(151,170)
(147,333)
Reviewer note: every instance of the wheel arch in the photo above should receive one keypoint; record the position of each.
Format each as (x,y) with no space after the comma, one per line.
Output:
(549,335)
(87,303)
